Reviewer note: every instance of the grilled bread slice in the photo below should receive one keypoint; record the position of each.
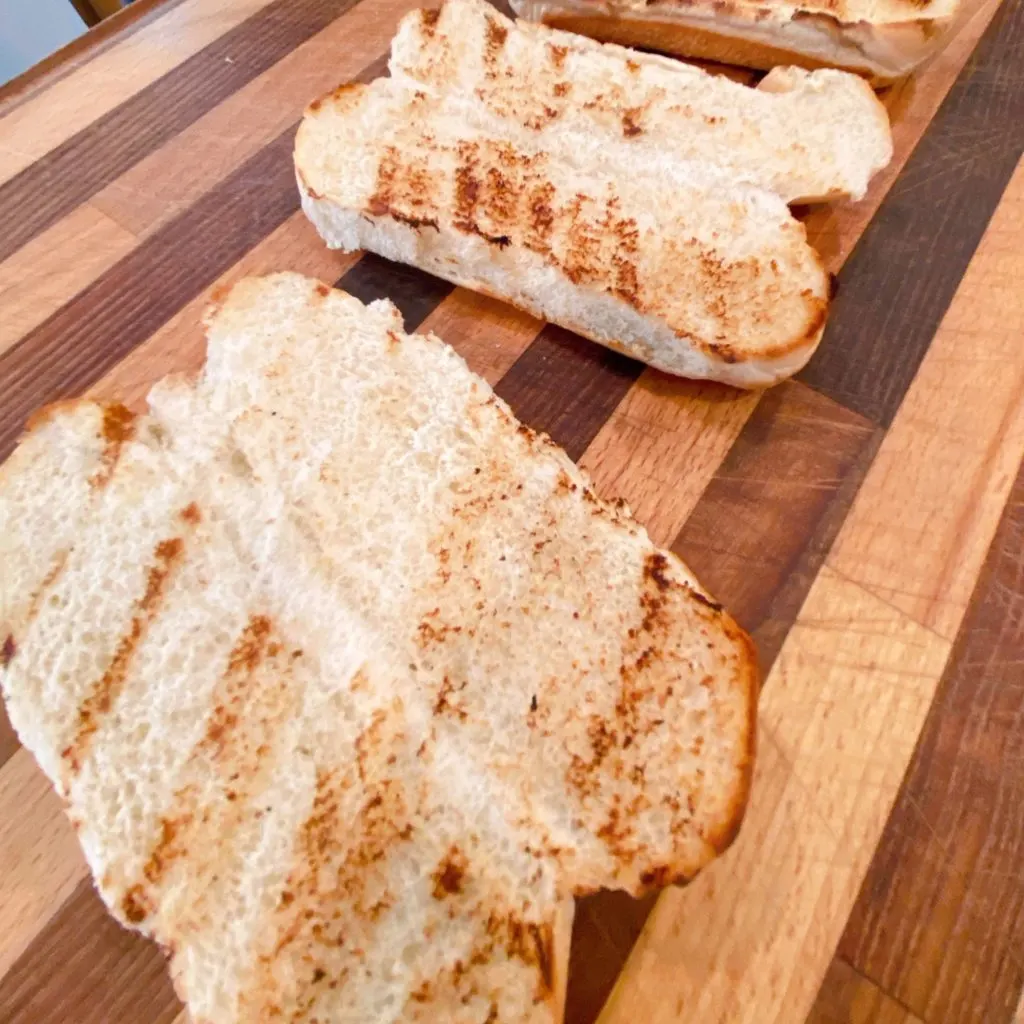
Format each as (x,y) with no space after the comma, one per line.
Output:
(695,277)
(350,680)
(805,136)
(883,40)
(638,202)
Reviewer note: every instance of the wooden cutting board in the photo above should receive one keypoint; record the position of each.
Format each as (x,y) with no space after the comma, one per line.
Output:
(865,522)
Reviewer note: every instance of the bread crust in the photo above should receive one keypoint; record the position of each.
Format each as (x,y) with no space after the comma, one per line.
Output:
(732,34)
(254,725)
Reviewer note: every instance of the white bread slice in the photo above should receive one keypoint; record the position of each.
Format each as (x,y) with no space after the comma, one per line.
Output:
(350,681)
(882,40)
(688,274)
(805,136)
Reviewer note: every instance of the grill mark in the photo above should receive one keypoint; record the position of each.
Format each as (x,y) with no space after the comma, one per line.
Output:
(528,941)
(450,874)
(467,187)
(191,514)
(36,601)
(8,651)
(105,692)
(428,21)
(496,36)
(630,126)
(337,893)
(118,428)
(247,706)
(403,191)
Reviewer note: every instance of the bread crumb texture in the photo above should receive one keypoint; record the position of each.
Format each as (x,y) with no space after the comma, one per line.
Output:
(350,680)
(638,201)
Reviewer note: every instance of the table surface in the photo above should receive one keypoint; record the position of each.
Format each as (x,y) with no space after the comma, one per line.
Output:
(865,522)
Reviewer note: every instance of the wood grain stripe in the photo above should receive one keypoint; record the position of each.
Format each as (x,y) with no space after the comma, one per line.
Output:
(31,201)
(72,97)
(40,278)
(353,45)
(113,976)
(847,696)
(661,446)
(40,861)
(606,927)
(488,334)
(663,443)
(847,997)
(966,405)
(111,33)
(939,921)
(415,293)
(892,296)
(8,738)
(124,306)
(762,529)
(567,387)
(87,46)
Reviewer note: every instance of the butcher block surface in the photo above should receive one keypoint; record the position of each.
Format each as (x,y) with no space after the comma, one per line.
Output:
(864,521)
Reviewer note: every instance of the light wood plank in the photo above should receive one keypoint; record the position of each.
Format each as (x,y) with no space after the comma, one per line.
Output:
(1019,1018)
(55,266)
(750,940)
(44,121)
(488,334)
(933,498)
(842,709)
(40,860)
(173,177)
(847,997)
(663,444)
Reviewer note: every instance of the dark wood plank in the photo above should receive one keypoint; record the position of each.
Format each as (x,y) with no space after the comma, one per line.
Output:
(939,921)
(763,526)
(8,738)
(606,927)
(415,293)
(84,968)
(123,307)
(899,281)
(567,387)
(87,46)
(756,539)
(847,997)
(53,186)
(86,12)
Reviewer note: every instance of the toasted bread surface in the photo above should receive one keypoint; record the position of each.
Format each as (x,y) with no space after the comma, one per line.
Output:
(636,201)
(879,41)
(350,680)
(711,282)
(804,136)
